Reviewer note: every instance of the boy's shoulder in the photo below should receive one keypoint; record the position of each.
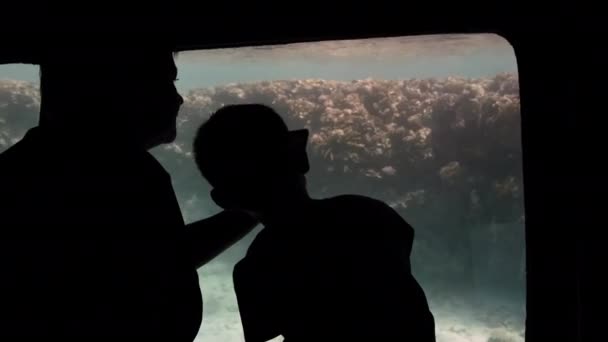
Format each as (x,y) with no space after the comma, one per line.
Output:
(349,217)
(355,214)
(356,200)
(358,208)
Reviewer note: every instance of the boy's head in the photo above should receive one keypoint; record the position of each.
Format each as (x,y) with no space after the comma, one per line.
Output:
(249,156)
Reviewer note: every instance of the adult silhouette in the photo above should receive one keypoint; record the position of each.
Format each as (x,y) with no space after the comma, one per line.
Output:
(94,245)
(335,269)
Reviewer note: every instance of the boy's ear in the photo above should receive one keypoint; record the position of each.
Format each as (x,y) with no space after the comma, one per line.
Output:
(298,140)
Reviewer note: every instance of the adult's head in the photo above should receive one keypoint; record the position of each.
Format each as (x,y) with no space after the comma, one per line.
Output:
(111,94)
(250,157)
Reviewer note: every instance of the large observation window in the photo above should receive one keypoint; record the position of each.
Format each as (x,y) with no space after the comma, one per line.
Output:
(429,124)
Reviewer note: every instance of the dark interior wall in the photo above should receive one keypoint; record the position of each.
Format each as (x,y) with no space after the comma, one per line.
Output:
(214,24)
(543,40)
(552,289)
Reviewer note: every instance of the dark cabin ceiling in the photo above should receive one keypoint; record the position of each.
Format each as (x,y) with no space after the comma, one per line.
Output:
(193,25)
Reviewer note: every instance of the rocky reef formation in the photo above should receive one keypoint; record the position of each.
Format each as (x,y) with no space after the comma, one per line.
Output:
(19,107)
(445,153)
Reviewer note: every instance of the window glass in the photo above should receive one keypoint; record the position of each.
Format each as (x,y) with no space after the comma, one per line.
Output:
(428,124)
(19,102)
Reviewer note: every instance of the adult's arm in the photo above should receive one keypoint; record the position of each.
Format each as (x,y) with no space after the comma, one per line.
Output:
(210,237)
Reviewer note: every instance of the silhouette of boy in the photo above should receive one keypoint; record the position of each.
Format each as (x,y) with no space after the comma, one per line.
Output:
(332,269)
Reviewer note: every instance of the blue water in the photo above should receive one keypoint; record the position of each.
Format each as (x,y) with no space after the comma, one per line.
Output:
(20,72)
(213,71)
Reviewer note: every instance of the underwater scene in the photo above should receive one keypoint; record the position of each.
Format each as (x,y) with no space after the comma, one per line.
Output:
(429,124)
